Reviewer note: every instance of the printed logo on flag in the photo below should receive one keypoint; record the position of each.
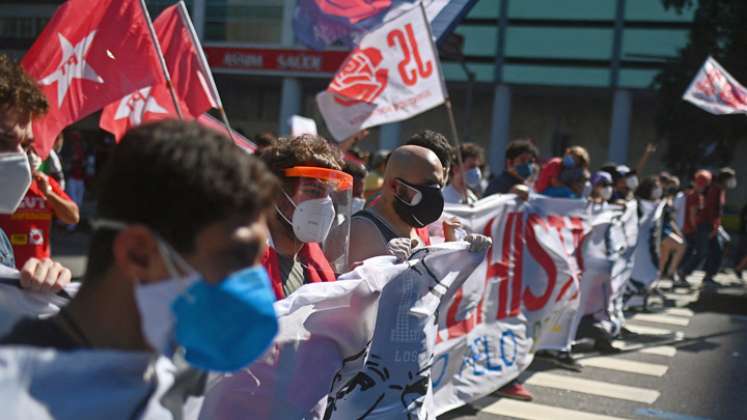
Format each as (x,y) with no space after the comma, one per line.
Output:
(36,237)
(361,79)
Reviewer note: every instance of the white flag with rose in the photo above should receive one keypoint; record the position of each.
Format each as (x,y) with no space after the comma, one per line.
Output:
(393,74)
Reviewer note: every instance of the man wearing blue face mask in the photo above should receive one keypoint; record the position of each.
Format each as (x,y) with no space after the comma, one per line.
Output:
(173,266)
(520,167)
(466,179)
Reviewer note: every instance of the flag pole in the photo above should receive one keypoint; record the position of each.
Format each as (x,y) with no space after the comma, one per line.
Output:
(447,103)
(204,66)
(161,60)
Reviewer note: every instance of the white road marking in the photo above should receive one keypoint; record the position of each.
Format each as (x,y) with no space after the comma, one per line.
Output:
(533,411)
(661,319)
(666,351)
(640,329)
(586,386)
(679,312)
(623,365)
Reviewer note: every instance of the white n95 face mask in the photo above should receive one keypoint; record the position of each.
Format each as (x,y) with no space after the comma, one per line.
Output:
(631,182)
(606,193)
(473,177)
(312,219)
(15,179)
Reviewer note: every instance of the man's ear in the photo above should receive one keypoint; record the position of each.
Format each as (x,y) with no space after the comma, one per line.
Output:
(137,256)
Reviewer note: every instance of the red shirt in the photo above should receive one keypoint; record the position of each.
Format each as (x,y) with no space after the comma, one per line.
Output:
(28,228)
(693,203)
(714,204)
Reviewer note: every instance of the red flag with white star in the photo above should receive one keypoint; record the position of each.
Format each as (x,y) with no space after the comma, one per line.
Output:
(188,76)
(91,53)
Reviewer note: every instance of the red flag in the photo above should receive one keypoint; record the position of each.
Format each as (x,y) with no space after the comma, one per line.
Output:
(188,77)
(91,53)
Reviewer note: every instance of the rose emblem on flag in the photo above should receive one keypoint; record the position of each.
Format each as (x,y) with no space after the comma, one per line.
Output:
(360,79)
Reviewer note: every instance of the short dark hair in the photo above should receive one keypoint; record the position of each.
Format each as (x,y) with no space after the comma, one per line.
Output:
(265,139)
(305,150)
(437,143)
(177,178)
(356,169)
(725,174)
(471,150)
(646,189)
(18,91)
(520,146)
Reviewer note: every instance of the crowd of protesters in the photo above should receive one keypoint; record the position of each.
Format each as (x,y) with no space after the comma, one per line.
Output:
(166,233)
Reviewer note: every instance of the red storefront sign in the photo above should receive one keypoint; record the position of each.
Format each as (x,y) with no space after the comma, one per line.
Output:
(274,61)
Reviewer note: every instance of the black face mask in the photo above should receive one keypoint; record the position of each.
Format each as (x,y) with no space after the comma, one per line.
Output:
(425,211)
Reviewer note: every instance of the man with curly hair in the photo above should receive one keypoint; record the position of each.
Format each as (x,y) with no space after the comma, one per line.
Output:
(20,102)
(306,217)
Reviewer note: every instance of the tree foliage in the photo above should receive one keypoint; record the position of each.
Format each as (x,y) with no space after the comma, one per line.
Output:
(695,137)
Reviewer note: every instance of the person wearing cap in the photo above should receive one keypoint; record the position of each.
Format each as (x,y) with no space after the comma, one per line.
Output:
(715,199)
(465,179)
(696,232)
(312,211)
(601,187)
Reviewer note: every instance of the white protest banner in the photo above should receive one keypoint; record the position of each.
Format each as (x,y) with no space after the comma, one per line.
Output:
(47,384)
(392,74)
(366,340)
(599,257)
(622,241)
(646,267)
(527,300)
(716,91)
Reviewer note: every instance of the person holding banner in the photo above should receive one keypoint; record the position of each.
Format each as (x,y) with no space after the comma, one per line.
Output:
(410,199)
(20,102)
(521,166)
(309,229)
(601,187)
(173,270)
(465,178)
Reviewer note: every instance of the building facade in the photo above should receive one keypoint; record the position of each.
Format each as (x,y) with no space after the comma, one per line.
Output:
(560,72)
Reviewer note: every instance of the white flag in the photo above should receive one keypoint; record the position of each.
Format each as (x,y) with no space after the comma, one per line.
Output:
(393,74)
(716,91)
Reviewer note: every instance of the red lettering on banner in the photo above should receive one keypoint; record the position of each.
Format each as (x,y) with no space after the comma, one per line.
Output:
(459,328)
(424,70)
(532,301)
(577,230)
(500,268)
(564,289)
(518,256)
(409,48)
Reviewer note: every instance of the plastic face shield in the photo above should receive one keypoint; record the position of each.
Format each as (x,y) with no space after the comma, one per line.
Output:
(316,183)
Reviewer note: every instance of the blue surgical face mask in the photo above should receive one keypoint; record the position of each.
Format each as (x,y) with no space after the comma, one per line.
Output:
(222,327)
(473,177)
(524,170)
(568,161)
(225,326)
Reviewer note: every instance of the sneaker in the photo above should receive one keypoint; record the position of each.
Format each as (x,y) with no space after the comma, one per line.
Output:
(709,283)
(562,359)
(566,361)
(606,347)
(515,391)
(681,283)
(626,334)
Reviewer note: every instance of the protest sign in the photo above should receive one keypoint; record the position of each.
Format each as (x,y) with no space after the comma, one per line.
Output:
(393,74)
(716,91)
